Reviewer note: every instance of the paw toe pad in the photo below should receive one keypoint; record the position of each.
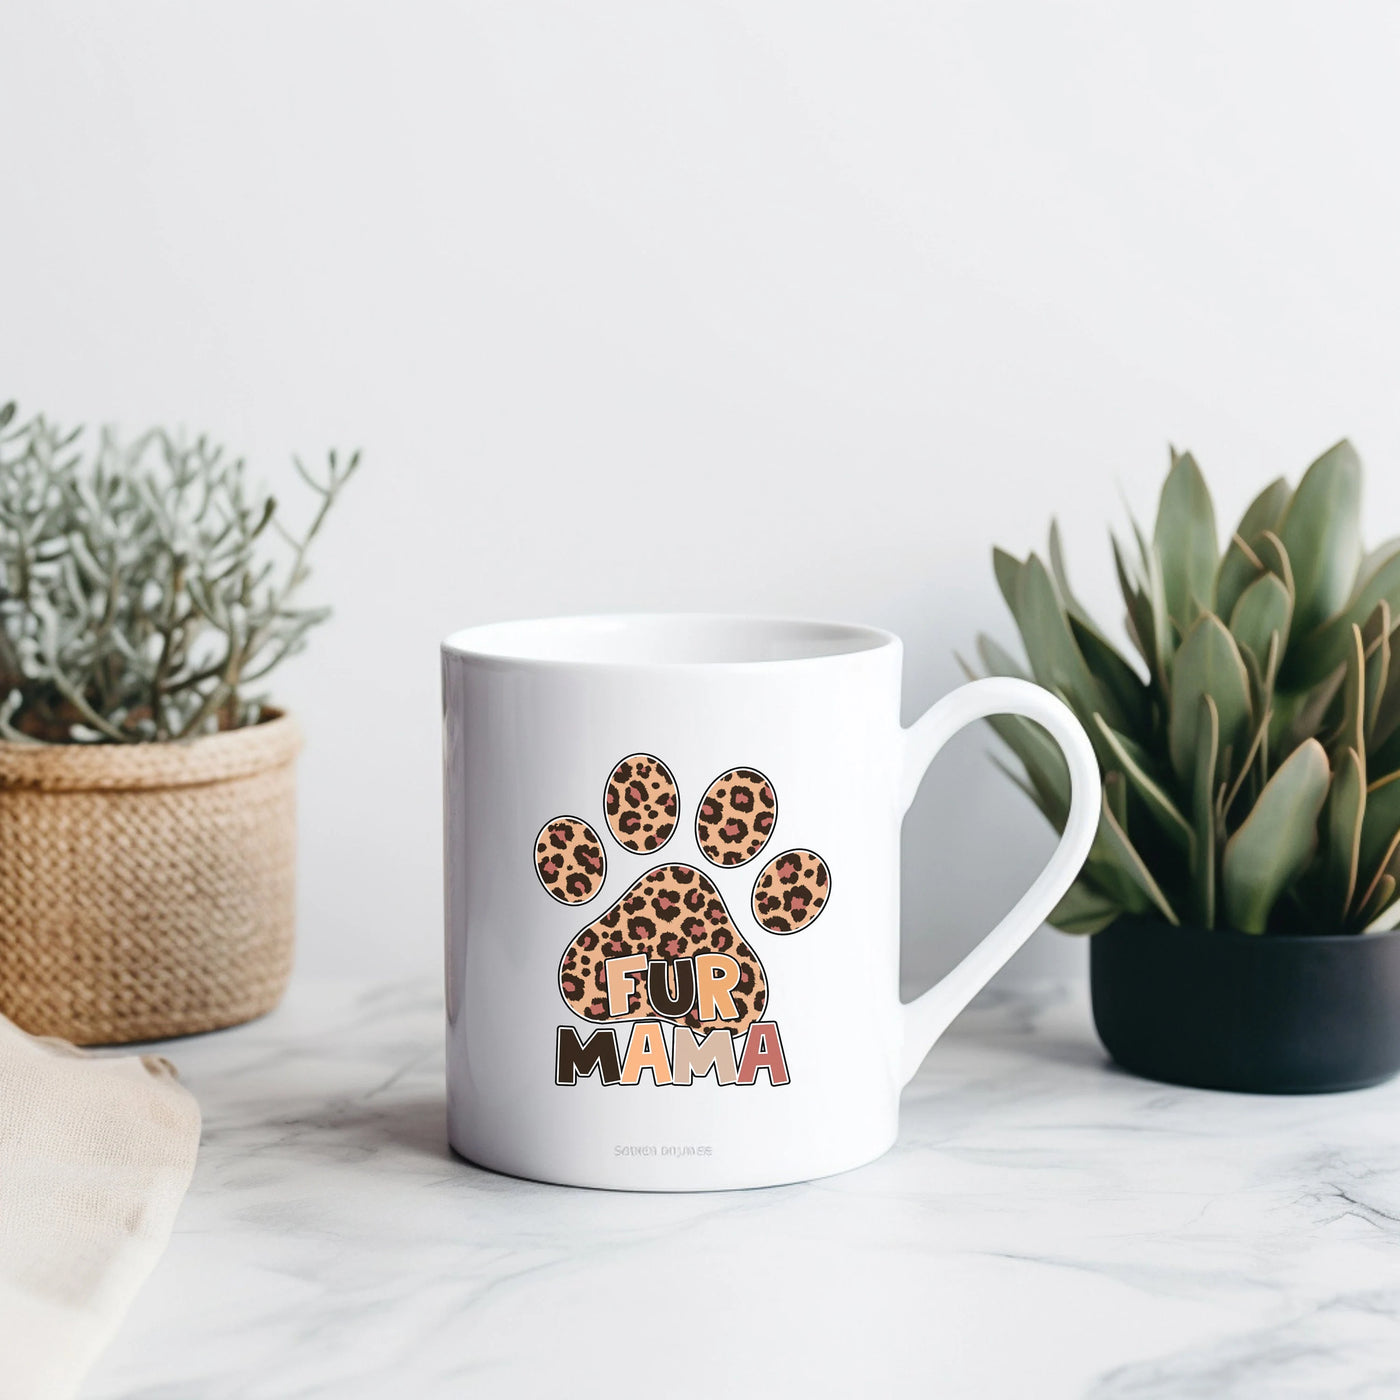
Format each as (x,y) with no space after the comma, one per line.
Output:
(641,802)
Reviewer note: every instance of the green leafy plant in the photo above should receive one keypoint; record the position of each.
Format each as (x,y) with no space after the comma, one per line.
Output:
(1251,763)
(144,593)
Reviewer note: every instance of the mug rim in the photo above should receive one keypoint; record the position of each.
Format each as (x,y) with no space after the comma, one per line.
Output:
(755,642)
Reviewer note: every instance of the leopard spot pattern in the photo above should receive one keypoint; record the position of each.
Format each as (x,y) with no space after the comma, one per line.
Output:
(641,801)
(569,860)
(791,891)
(735,817)
(672,912)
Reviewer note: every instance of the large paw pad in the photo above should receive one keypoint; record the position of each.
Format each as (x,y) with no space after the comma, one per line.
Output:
(667,949)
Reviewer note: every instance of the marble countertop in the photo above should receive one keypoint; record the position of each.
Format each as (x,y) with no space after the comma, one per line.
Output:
(1047,1226)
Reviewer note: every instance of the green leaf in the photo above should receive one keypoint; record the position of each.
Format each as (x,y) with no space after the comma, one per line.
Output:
(1084,909)
(1186,542)
(1140,623)
(1377,637)
(1324,649)
(1372,907)
(1379,826)
(1208,664)
(1007,569)
(1163,640)
(1055,658)
(1113,846)
(1322,531)
(1300,713)
(1386,725)
(1159,804)
(1104,874)
(997,660)
(1203,813)
(1024,784)
(1346,805)
(1109,668)
(1257,752)
(1387,915)
(1377,894)
(1115,676)
(1058,569)
(1041,757)
(1385,756)
(1263,609)
(1377,581)
(1273,554)
(1263,673)
(1277,840)
(1115,791)
(1047,777)
(1238,569)
(1351,733)
(1374,562)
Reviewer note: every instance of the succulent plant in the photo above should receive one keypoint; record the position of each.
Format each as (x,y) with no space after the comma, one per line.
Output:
(1251,761)
(141,592)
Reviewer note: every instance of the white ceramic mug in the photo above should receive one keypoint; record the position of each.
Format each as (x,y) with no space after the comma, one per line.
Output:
(672,868)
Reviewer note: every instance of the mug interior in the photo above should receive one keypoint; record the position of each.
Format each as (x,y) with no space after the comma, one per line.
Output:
(660,639)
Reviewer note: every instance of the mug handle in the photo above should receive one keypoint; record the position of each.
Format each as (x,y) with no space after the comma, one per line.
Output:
(928,1016)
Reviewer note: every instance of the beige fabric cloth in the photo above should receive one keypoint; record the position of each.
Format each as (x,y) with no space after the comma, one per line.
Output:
(96,1153)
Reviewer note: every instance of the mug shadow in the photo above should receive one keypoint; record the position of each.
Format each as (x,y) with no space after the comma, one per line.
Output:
(415,1125)
(410,1131)
(1073,1050)
(410,1127)
(1045,1025)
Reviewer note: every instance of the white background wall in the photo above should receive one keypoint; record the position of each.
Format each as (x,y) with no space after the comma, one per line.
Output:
(782,307)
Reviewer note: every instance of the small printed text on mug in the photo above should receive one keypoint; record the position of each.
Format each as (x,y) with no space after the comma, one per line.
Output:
(651,1149)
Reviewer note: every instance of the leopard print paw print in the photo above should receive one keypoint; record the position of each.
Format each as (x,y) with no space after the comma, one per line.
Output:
(733,822)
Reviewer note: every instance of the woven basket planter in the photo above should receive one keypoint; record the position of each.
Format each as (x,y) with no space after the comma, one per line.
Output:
(147,890)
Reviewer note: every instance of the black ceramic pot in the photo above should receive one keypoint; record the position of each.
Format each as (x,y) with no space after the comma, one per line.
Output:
(1260,1013)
